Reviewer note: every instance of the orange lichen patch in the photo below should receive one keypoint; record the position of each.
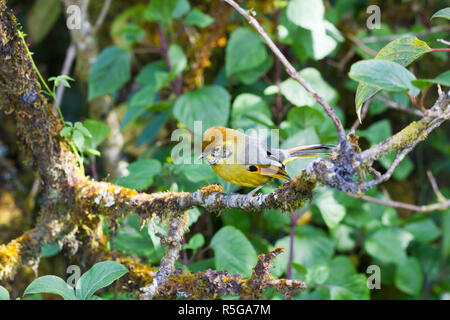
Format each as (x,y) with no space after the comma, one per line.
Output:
(10,256)
(8,209)
(222,42)
(211,189)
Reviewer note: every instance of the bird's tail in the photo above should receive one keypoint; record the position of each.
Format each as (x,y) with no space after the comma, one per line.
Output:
(312,151)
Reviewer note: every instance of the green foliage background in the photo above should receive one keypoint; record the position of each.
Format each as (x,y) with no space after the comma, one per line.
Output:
(337,237)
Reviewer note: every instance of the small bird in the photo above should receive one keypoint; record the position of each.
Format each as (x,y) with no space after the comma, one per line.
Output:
(246,161)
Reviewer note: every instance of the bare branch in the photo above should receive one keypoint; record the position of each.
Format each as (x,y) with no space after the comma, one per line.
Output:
(401,205)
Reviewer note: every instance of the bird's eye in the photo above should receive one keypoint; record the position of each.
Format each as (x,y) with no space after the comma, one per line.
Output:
(217,149)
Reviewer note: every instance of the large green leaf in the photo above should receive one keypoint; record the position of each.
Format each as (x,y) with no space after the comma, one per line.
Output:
(442,79)
(306,13)
(41,18)
(102,274)
(388,245)
(99,132)
(111,70)
(198,18)
(384,74)
(245,51)
(298,96)
(160,10)
(233,251)
(332,211)
(51,284)
(409,276)
(248,106)
(443,13)
(177,59)
(423,230)
(141,174)
(311,247)
(210,105)
(402,51)
(344,282)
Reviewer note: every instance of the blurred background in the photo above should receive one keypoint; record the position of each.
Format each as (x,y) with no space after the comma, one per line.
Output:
(145,68)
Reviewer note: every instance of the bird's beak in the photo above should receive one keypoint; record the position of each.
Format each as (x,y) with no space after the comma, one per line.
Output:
(201,156)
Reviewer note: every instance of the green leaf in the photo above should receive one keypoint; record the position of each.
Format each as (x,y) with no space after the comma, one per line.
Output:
(4,294)
(409,277)
(245,51)
(43,14)
(51,284)
(154,75)
(143,97)
(210,104)
(66,131)
(253,105)
(101,275)
(317,275)
(79,126)
(252,75)
(141,174)
(78,139)
(443,13)
(151,130)
(403,51)
(195,242)
(305,116)
(233,251)
(445,216)
(198,18)
(298,96)
(332,212)
(61,79)
(377,132)
(183,7)
(160,10)
(99,132)
(177,59)
(442,79)
(344,282)
(111,70)
(423,230)
(388,244)
(384,74)
(311,247)
(306,13)
(50,250)
(198,172)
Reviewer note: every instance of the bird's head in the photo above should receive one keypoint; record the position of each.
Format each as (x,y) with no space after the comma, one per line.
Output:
(216,143)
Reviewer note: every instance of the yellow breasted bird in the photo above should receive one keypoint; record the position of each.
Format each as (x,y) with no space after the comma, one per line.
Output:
(246,161)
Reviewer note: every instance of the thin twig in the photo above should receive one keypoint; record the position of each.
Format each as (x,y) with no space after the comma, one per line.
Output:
(447,43)
(384,177)
(102,15)
(402,205)
(68,62)
(292,72)
(435,187)
(397,106)
(396,36)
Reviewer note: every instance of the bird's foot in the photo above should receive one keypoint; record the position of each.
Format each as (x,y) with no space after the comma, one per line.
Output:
(253,192)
